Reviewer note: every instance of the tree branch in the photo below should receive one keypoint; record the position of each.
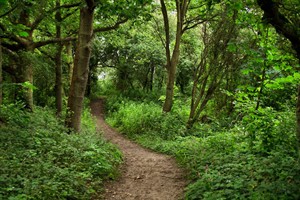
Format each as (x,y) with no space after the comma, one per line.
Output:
(9,11)
(281,24)
(43,15)
(167,31)
(54,40)
(158,33)
(112,27)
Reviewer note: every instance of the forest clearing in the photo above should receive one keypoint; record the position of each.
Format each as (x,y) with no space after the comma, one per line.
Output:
(149,99)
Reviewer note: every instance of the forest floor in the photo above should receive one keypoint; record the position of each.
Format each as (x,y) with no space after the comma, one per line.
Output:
(145,175)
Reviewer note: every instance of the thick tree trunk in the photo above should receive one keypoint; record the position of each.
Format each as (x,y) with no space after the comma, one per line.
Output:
(58,63)
(81,68)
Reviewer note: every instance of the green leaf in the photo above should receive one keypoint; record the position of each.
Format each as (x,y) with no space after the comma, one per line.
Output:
(28,85)
(162,98)
(297,76)
(246,71)
(231,47)
(23,34)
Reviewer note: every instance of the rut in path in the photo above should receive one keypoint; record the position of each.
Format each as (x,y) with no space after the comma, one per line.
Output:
(145,175)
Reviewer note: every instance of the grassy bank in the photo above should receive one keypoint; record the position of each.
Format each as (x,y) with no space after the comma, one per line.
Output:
(39,160)
(255,158)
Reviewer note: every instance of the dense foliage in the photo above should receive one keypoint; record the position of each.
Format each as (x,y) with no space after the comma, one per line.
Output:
(255,158)
(213,83)
(39,160)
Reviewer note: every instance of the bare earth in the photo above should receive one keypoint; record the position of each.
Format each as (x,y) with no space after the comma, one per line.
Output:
(146,175)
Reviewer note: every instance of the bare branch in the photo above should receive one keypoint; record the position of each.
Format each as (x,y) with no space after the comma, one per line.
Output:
(158,33)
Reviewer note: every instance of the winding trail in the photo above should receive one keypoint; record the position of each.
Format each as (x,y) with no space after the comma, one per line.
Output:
(145,175)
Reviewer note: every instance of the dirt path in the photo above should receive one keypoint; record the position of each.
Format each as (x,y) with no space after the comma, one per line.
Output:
(146,175)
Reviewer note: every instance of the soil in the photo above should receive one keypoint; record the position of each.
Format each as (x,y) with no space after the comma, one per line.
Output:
(145,175)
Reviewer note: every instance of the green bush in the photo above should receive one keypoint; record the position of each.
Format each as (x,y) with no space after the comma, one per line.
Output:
(134,118)
(253,158)
(269,130)
(246,176)
(39,160)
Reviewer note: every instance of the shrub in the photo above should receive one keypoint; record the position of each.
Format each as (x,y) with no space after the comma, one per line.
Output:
(269,130)
(39,160)
(255,158)
(134,118)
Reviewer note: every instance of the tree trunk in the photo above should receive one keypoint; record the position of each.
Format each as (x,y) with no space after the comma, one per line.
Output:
(81,67)
(25,67)
(58,81)
(70,62)
(25,75)
(58,64)
(1,77)
(214,64)
(172,62)
(170,88)
(28,77)
(152,71)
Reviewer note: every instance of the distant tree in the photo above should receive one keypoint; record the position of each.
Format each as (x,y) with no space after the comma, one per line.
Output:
(216,61)
(19,27)
(189,14)
(115,15)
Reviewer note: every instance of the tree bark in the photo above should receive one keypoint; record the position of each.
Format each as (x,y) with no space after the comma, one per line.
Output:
(152,71)
(70,61)
(81,67)
(58,64)
(25,67)
(1,76)
(58,81)
(172,61)
(24,74)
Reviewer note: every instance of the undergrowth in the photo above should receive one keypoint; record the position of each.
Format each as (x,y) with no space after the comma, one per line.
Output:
(256,158)
(39,160)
